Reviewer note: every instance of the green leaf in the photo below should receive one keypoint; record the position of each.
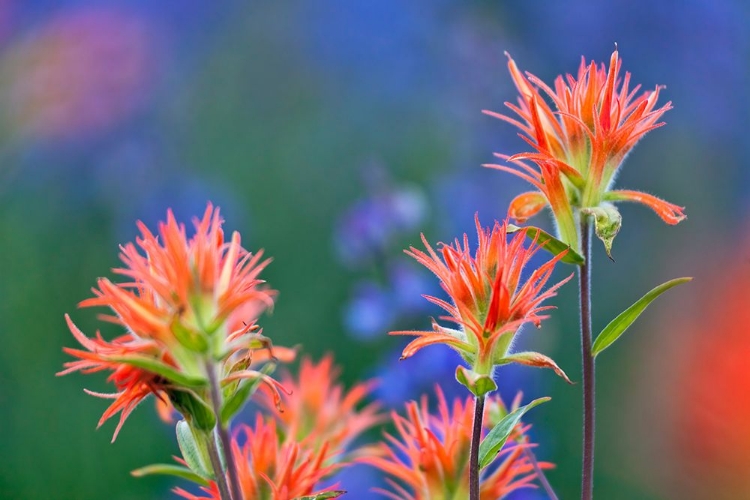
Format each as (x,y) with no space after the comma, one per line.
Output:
(236,401)
(323,496)
(170,470)
(551,244)
(607,223)
(617,326)
(495,440)
(196,411)
(194,451)
(479,385)
(156,366)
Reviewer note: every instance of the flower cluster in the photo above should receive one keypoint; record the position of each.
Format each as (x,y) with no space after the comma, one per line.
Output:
(580,142)
(287,454)
(428,457)
(490,301)
(189,309)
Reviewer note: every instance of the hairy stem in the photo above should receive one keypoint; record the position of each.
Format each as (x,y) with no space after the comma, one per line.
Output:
(219,477)
(587,473)
(221,431)
(540,474)
(476,438)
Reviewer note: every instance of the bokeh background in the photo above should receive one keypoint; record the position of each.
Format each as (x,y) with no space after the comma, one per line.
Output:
(331,133)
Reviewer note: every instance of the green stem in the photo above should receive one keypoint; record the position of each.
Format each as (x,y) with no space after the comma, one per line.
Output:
(219,477)
(221,431)
(589,407)
(476,438)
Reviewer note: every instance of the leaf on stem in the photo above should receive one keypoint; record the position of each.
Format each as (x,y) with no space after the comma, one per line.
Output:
(156,366)
(169,470)
(495,440)
(194,451)
(617,326)
(323,496)
(550,244)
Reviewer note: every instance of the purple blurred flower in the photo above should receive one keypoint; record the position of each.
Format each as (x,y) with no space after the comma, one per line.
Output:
(370,311)
(367,230)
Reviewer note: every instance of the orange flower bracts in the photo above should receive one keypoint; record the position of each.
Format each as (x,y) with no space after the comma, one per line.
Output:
(580,141)
(428,457)
(186,304)
(489,300)
(317,410)
(271,470)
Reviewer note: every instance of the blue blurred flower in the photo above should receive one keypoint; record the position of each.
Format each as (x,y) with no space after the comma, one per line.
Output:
(370,311)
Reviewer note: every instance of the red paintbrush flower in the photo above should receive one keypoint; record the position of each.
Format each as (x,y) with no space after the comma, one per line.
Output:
(318,411)
(188,304)
(580,141)
(428,458)
(270,470)
(489,299)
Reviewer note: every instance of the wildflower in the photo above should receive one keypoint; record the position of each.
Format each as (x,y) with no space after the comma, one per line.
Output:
(490,302)
(428,459)
(270,470)
(187,304)
(580,142)
(318,411)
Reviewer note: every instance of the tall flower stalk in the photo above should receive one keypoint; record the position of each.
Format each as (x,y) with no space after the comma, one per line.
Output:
(489,302)
(189,308)
(581,129)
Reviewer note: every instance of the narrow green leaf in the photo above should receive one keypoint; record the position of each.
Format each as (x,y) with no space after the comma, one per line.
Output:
(551,244)
(495,440)
(236,401)
(156,366)
(170,470)
(479,385)
(617,326)
(323,496)
(194,451)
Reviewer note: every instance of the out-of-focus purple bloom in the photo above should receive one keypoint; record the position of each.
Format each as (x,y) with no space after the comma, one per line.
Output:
(358,481)
(408,283)
(401,381)
(370,311)
(370,227)
(78,74)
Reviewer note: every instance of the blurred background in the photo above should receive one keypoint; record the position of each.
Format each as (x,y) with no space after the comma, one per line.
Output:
(332,133)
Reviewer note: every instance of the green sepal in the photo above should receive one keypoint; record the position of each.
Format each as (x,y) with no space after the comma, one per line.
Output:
(170,470)
(479,385)
(550,244)
(607,223)
(196,411)
(159,368)
(617,326)
(495,440)
(191,339)
(234,402)
(194,450)
(323,496)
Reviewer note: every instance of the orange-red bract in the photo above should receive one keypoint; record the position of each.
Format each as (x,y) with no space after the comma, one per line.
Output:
(581,139)
(187,302)
(428,457)
(269,469)
(489,299)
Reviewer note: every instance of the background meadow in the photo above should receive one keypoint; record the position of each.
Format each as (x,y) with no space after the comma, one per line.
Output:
(332,133)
